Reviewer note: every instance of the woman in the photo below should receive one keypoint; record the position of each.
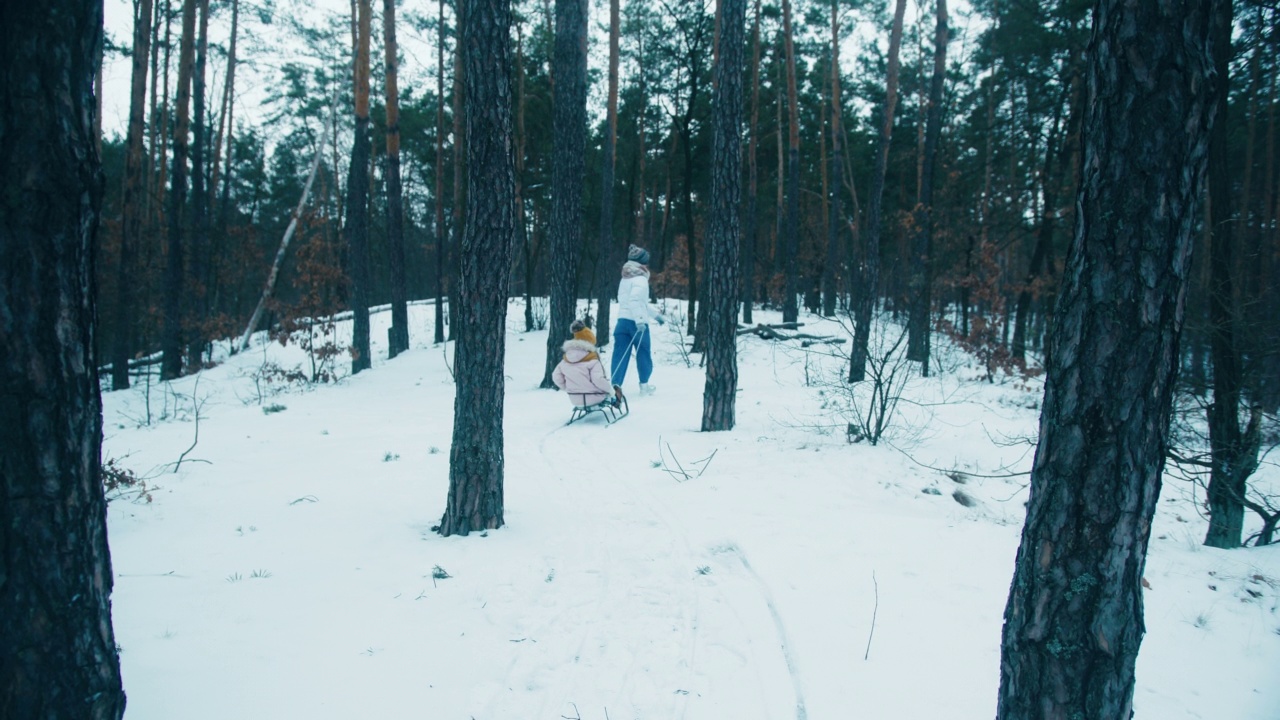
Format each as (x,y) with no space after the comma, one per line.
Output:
(634,316)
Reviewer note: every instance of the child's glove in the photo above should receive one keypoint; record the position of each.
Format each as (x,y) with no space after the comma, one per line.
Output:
(660,319)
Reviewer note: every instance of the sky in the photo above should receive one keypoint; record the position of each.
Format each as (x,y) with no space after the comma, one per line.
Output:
(288,568)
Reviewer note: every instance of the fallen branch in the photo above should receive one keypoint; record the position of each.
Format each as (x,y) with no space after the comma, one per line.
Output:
(772,326)
(680,474)
(770,332)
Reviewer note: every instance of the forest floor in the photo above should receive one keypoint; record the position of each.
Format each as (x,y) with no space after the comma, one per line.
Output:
(287,567)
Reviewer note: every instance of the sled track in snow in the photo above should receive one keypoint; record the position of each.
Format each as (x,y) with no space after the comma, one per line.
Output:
(767,596)
(606,631)
(636,495)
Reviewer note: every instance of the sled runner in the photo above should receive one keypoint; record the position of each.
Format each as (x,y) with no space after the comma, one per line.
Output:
(612,409)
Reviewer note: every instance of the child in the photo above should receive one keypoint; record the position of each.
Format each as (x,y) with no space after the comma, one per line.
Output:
(581,374)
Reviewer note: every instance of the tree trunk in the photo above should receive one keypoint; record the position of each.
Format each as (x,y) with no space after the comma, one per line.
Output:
(723,238)
(1044,233)
(790,243)
(661,260)
(693,60)
(780,177)
(132,203)
(439,189)
(476,457)
(269,288)
(59,651)
(870,280)
(199,198)
(752,213)
(171,338)
(357,228)
(813,293)
(226,115)
(457,226)
(568,160)
(159,10)
(605,287)
(835,218)
(641,151)
(1227,479)
(523,236)
(1073,622)
(162,149)
(919,321)
(399,339)
(227,133)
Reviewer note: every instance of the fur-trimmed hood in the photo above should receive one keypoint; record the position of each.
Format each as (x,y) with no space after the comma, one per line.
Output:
(631,269)
(577,351)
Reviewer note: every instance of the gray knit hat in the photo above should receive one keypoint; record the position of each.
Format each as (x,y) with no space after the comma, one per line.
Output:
(638,254)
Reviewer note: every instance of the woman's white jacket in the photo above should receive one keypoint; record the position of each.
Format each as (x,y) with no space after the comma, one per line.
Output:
(633,294)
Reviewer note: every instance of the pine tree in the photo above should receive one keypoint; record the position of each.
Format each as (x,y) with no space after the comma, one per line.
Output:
(869,280)
(476,457)
(132,203)
(399,338)
(720,393)
(357,227)
(568,159)
(58,656)
(171,335)
(1073,622)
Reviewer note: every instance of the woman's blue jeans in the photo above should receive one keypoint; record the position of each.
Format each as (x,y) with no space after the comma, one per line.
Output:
(628,336)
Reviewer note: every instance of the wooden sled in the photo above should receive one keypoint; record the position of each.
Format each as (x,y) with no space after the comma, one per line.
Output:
(611,409)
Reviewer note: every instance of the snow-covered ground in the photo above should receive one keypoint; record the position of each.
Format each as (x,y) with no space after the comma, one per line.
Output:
(288,568)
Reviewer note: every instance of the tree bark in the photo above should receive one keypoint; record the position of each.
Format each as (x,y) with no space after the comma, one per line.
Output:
(226,115)
(720,392)
(196,286)
(357,227)
(780,177)
(693,66)
(870,280)
(1228,478)
(1073,622)
(399,339)
(163,120)
(835,218)
(171,337)
(57,647)
(476,458)
(605,287)
(568,161)
(919,321)
(790,244)
(159,10)
(439,189)
(458,211)
(752,214)
(642,202)
(132,203)
(219,180)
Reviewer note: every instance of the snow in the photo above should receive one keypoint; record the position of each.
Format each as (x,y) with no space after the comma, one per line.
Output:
(287,569)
